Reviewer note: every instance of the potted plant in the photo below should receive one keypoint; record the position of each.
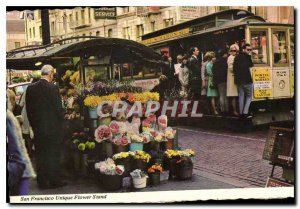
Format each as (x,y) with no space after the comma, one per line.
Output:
(154,173)
(110,174)
(169,135)
(139,179)
(157,138)
(141,159)
(124,158)
(184,168)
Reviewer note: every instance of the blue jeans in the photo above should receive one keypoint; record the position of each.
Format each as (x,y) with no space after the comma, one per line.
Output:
(245,97)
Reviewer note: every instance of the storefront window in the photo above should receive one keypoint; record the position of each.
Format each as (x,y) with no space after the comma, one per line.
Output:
(292,33)
(279,47)
(137,71)
(259,47)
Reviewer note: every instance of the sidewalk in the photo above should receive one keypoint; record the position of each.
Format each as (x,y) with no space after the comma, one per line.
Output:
(199,181)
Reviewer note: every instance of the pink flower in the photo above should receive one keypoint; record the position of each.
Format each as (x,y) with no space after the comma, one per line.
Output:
(102,133)
(114,127)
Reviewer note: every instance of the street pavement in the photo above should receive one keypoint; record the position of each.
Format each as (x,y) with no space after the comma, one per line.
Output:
(223,160)
(236,156)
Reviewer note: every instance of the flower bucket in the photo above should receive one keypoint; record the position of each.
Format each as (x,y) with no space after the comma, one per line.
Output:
(154,145)
(147,147)
(136,146)
(164,176)
(141,164)
(111,182)
(173,168)
(93,113)
(169,144)
(127,165)
(108,149)
(155,178)
(139,183)
(104,121)
(120,148)
(184,172)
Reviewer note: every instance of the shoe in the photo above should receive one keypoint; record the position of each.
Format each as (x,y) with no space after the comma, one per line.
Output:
(248,116)
(236,114)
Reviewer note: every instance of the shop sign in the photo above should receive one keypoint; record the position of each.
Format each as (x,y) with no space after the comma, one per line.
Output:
(272,182)
(281,82)
(189,12)
(167,36)
(105,13)
(262,82)
(146,84)
(292,82)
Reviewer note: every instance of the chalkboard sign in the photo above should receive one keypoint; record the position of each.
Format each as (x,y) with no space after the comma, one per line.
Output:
(279,146)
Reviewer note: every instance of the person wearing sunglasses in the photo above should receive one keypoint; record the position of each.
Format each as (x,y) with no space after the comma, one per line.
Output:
(242,78)
(232,92)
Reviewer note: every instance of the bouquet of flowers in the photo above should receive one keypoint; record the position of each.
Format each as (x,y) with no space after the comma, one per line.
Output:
(146,137)
(187,153)
(155,168)
(158,136)
(141,155)
(117,127)
(102,133)
(169,133)
(162,122)
(92,101)
(120,140)
(123,155)
(108,167)
(171,154)
(135,137)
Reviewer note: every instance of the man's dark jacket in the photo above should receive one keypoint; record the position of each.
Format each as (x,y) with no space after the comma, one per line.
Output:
(195,68)
(219,70)
(241,69)
(44,108)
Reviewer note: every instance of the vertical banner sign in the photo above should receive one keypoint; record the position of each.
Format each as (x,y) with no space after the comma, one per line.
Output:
(292,82)
(105,13)
(281,82)
(262,83)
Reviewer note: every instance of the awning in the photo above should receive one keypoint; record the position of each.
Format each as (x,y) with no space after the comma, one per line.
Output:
(119,51)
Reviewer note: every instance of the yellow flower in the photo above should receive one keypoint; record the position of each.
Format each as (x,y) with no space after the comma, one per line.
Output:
(92,101)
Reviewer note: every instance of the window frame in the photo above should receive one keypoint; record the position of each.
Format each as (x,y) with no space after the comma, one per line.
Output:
(286,48)
(267,42)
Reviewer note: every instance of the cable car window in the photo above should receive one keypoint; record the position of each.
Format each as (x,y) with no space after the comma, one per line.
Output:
(125,71)
(98,72)
(149,72)
(292,33)
(259,47)
(279,47)
(137,70)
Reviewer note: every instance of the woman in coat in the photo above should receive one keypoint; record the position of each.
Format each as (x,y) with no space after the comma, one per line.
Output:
(232,92)
(212,92)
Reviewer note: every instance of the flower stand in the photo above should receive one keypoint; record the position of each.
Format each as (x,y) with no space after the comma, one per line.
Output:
(111,182)
(140,183)
(93,112)
(120,148)
(155,178)
(136,146)
(104,121)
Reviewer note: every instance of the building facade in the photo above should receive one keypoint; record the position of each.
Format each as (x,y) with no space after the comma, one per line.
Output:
(15,31)
(131,22)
